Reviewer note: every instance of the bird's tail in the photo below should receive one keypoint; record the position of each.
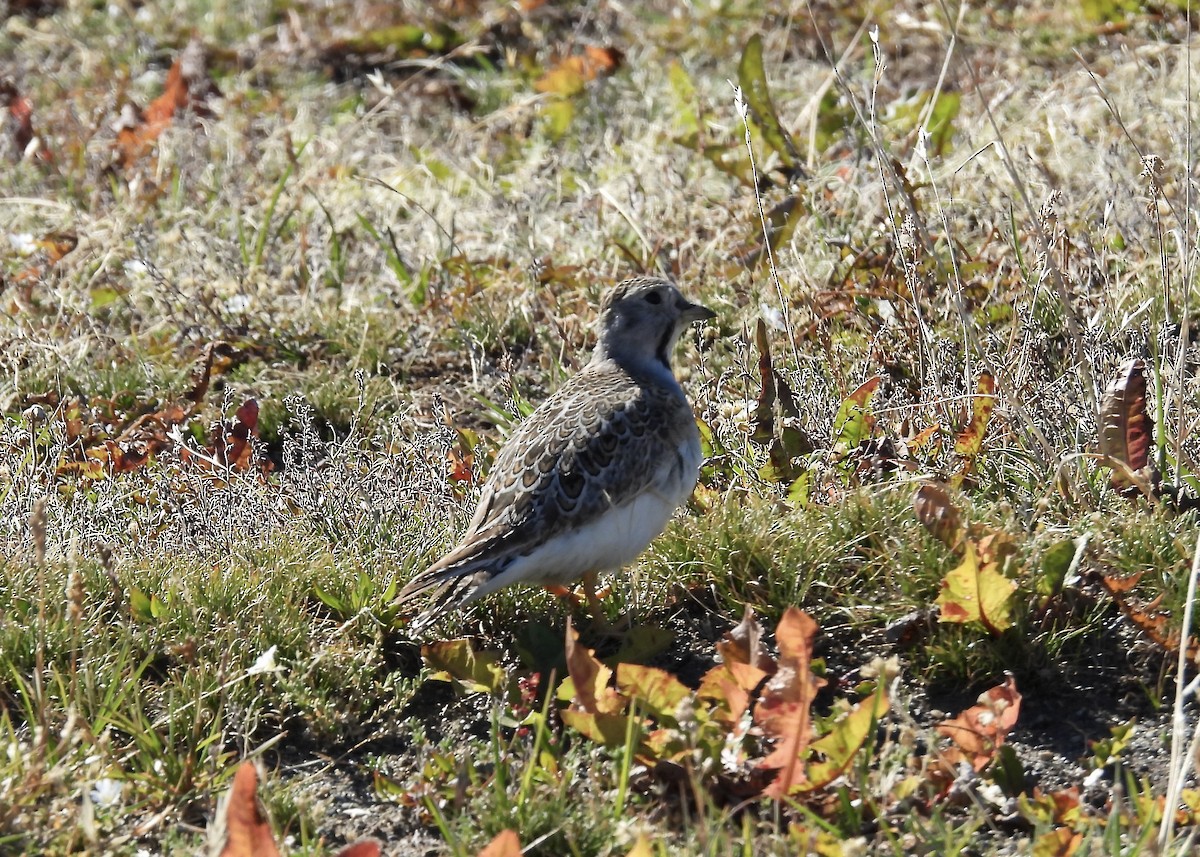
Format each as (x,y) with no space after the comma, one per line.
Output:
(440,589)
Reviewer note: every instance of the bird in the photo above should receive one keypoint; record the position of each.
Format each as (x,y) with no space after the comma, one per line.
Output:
(593,475)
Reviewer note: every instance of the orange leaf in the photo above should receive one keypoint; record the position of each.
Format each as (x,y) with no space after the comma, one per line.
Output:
(970,439)
(731,683)
(1060,842)
(247,831)
(980,730)
(784,710)
(506,844)
(590,678)
(571,74)
(187,86)
(361,848)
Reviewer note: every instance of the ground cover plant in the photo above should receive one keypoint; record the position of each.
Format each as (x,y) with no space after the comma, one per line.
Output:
(277,278)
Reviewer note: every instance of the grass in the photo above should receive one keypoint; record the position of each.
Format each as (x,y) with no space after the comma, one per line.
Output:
(402,243)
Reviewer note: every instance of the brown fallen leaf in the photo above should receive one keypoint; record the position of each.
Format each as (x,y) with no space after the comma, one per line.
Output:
(188,86)
(506,844)
(980,730)
(241,827)
(743,644)
(242,819)
(785,708)
(937,513)
(1126,427)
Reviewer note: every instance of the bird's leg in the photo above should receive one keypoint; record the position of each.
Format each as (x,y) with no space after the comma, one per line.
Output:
(600,621)
(593,600)
(568,595)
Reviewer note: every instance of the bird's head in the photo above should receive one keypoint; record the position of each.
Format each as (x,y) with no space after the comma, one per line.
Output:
(641,320)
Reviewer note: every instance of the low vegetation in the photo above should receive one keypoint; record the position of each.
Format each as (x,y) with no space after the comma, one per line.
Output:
(277,278)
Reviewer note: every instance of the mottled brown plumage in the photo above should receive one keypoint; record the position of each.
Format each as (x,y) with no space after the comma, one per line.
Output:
(591,476)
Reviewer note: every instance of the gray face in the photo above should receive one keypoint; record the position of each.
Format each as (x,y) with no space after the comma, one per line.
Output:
(643,318)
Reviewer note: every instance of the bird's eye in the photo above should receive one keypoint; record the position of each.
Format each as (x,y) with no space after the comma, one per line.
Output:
(653,298)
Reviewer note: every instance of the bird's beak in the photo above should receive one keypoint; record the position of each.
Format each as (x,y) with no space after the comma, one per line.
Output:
(690,312)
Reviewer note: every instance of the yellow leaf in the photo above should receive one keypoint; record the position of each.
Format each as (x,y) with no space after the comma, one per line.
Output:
(977,592)
(641,848)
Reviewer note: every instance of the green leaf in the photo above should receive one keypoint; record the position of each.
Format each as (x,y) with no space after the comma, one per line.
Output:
(557,115)
(847,738)
(1007,771)
(854,421)
(940,123)
(977,592)
(1056,562)
(798,491)
(387,788)
(753,81)
(606,729)
(139,605)
(103,296)
(337,605)
(687,119)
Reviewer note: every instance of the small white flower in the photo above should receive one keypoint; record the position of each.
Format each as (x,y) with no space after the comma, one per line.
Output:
(237,303)
(22,242)
(106,792)
(265,663)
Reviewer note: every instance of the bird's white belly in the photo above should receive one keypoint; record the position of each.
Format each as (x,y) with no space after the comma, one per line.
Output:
(603,544)
(607,542)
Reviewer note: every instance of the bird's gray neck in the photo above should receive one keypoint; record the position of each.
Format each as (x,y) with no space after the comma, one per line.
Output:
(647,360)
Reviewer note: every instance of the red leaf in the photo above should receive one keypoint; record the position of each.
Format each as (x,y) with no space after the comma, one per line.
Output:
(1126,428)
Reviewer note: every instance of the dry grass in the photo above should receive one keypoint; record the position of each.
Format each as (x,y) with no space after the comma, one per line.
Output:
(401,255)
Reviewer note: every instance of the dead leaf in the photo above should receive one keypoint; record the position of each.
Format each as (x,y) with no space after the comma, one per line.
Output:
(938,514)
(970,440)
(570,75)
(187,86)
(246,828)
(743,644)
(590,679)
(981,730)
(506,844)
(784,710)
(1126,427)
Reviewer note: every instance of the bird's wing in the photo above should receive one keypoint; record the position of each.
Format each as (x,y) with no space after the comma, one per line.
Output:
(588,448)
